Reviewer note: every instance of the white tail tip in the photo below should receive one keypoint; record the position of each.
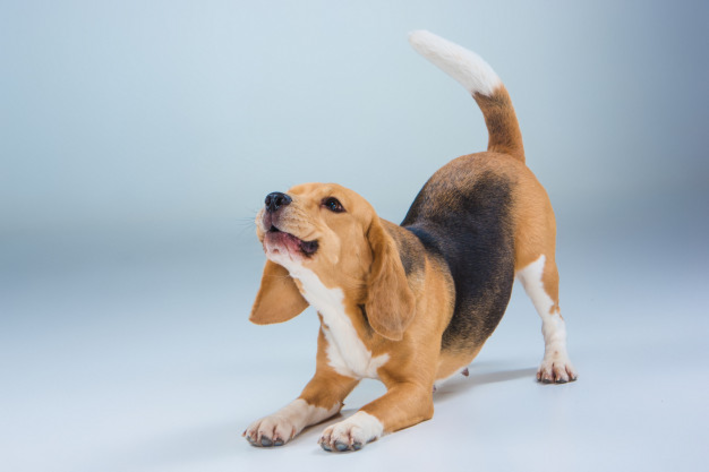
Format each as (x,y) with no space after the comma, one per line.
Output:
(466,67)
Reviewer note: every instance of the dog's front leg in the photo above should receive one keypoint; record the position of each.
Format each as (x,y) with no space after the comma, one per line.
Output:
(405,404)
(321,399)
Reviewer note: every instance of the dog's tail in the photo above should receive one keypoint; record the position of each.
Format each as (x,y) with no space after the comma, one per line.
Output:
(478,78)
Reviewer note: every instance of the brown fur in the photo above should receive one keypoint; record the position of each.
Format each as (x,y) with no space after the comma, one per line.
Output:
(390,304)
(502,125)
(278,299)
(327,388)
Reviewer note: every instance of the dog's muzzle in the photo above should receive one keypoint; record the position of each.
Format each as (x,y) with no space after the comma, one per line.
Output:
(277,238)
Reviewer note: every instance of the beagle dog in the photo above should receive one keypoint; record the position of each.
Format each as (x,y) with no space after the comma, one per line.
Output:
(410,305)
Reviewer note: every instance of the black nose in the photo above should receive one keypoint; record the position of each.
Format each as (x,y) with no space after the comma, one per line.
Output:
(276,200)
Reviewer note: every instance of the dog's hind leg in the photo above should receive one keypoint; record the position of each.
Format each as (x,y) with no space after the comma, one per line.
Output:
(541,282)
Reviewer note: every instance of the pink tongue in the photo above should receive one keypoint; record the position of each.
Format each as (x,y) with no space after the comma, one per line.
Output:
(294,244)
(288,240)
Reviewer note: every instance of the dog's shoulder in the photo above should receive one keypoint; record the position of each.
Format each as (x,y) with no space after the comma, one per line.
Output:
(411,249)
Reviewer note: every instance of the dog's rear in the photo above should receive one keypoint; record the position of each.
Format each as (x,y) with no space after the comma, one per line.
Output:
(508,217)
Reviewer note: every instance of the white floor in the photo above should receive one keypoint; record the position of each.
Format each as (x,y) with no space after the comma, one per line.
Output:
(123,363)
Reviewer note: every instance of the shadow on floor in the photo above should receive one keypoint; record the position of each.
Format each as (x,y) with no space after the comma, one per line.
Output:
(461,384)
(223,440)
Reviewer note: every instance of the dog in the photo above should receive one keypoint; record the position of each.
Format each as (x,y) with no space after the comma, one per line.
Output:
(410,305)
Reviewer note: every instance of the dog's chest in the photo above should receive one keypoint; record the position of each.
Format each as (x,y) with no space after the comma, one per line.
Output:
(346,352)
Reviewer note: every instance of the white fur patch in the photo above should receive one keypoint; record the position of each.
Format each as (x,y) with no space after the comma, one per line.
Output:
(346,352)
(531,278)
(466,67)
(354,432)
(556,365)
(287,422)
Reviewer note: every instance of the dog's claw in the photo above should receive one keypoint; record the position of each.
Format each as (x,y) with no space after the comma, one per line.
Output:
(349,435)
(556,372)
(325,446)
(466,372)
(340,446)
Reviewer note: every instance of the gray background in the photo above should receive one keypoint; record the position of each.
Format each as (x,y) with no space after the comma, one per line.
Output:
(138,139)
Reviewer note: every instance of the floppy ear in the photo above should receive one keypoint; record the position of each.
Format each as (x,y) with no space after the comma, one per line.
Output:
(278,299)
(390,304)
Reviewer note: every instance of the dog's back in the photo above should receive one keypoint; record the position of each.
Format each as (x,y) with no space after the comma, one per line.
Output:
(468,222)
(465,211)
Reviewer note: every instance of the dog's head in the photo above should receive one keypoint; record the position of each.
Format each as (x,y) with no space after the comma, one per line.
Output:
(335,234)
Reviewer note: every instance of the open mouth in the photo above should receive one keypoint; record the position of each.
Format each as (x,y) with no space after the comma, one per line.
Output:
(276,238)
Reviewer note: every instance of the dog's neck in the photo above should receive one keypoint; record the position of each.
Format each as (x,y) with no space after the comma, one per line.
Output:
(347,352)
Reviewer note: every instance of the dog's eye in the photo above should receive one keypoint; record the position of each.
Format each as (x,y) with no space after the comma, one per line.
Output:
(333,204)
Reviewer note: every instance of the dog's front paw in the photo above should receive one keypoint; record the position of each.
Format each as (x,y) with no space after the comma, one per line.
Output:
(351,434)
(274,430)
(556,368)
